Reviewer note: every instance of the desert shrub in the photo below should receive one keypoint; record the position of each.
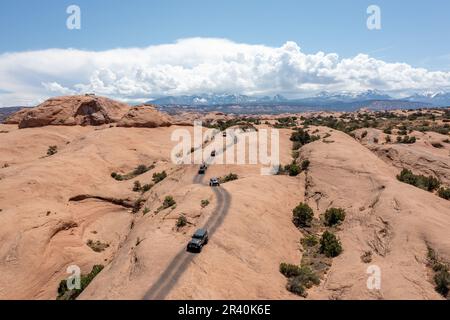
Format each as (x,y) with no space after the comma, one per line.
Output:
(434,261)
(334,216)
(296,145)
(52,150)
(65,294)
(204,203)
(168,202)
(302,215)
(117,176)
(281,170)
(364,134)
(366,257)
(305,164)
(286,122)
(305,279)
(138,205)
(406,140)
(181,221)
(141,169)
(388,139)
(407,176)
(444,193)
(330,245)
(429,183)
(310,241)
(158,177)
(388,131)
(302,137)
(442,281)
(146,188)
(441,277)
(293,169)
(446,141)
(97,246)
(289,270)
(315,138)
(295,154)
(426,183)
(229,177)
(375,140)
(146,210)
(137,186)
(437,145)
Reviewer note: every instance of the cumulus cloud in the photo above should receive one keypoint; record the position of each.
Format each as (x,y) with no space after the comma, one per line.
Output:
(201,65)
(57,88)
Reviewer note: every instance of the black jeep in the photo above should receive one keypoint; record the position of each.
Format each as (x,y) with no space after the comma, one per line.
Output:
(199,239)
(202,169)
(214,182)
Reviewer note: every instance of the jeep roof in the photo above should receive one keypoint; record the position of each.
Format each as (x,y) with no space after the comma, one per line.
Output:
(200,233)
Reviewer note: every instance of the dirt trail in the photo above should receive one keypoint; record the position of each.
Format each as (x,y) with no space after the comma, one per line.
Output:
(180,262)
(168,279)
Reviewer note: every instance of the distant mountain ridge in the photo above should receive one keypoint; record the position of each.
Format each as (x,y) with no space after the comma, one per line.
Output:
(435,98)
(215,99)
(6,112)
(342,100)
(323,101)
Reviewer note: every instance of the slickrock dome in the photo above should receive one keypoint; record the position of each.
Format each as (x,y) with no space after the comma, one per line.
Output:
(146,116)
(74,110)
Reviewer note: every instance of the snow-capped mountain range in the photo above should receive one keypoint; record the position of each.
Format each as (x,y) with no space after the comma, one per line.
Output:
(436,98)
(322,99)
(215,99)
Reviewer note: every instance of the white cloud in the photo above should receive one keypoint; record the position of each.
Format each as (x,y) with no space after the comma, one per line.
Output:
(57,88)
(201,65)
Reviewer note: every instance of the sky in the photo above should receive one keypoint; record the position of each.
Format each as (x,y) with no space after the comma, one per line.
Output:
(140,49)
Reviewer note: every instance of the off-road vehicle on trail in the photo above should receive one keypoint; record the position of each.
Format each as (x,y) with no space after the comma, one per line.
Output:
(214,182)
(224,134)
(202,169)
(199,239)
(213,153)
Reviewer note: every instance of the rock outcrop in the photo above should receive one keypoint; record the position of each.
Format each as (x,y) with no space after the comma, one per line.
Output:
(421,157)
(16,117)
(145,116)
(73,110)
